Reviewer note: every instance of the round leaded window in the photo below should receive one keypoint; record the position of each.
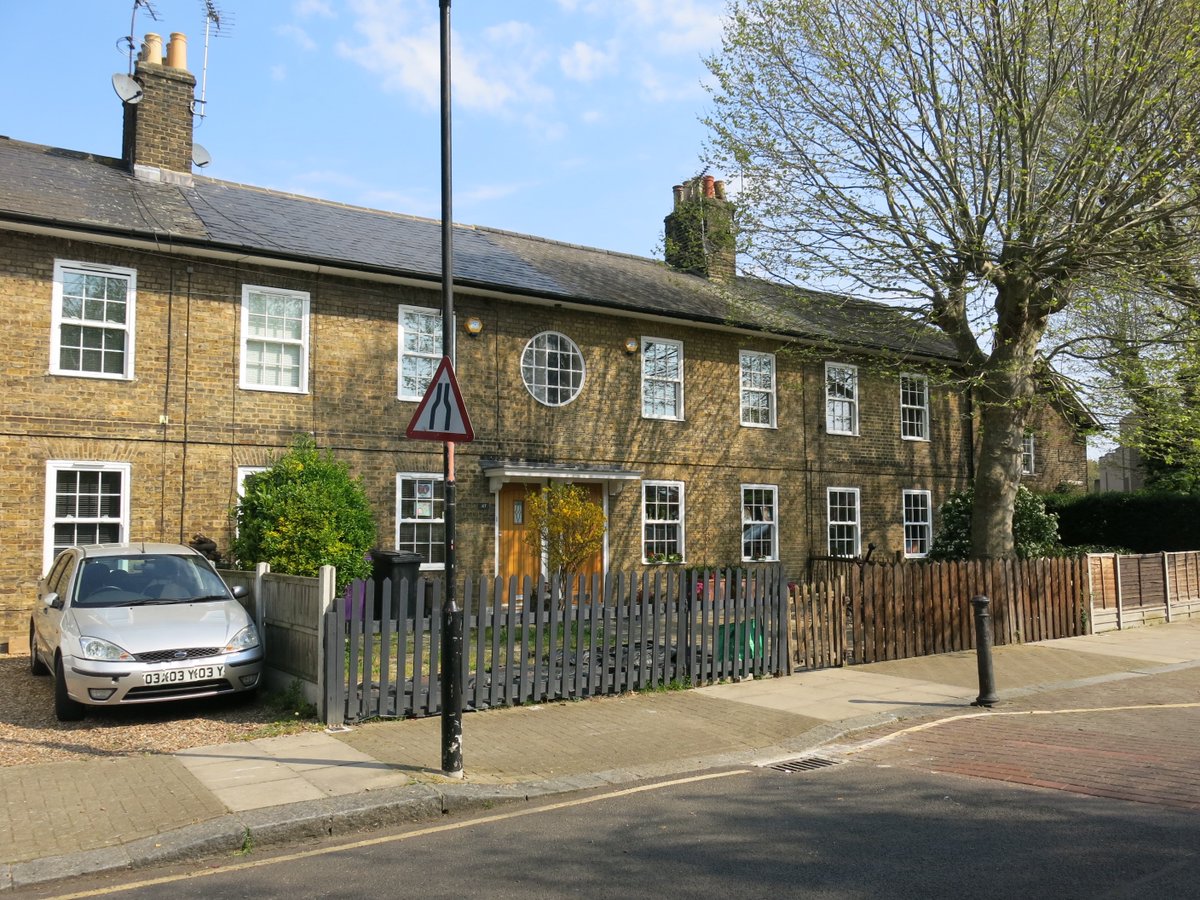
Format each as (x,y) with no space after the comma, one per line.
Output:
(552,368)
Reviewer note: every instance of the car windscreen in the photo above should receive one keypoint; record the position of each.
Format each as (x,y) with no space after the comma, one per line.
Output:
(146,578)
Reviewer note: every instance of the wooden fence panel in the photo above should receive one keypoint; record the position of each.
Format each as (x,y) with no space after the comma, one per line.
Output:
(897,610)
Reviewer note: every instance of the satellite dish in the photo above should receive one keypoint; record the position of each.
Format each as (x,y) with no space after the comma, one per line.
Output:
(127,89)
(200,156)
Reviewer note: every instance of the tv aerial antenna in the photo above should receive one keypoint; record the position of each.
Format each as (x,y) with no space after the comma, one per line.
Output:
(127,89)
(130,40)
(214,21)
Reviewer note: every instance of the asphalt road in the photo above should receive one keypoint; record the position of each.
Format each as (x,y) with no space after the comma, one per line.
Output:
(855,830)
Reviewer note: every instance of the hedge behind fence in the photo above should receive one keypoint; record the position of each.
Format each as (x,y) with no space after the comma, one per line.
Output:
(1142,522)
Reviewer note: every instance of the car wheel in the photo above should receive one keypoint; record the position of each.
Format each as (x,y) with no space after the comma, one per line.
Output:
(36,666)
(65,709)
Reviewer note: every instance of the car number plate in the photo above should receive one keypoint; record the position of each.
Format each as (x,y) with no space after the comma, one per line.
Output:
(172,676)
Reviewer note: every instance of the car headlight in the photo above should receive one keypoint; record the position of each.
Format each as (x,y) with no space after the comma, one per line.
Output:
(95,648)
(243,640)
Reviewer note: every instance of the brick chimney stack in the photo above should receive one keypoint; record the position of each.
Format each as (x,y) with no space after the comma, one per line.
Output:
(700,234)
(157,140)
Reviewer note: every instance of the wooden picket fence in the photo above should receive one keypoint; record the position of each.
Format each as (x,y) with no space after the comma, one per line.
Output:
(852,611)
(531,641)
(1142,589)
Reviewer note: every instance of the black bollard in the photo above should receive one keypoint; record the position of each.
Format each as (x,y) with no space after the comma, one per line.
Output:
(983,652)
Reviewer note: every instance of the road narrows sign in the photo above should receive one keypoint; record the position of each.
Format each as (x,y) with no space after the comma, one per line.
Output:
(441,415)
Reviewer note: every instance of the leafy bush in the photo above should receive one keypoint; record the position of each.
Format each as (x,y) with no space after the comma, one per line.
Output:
(566,524)
(1146,521)
(1035,530)
(304,512)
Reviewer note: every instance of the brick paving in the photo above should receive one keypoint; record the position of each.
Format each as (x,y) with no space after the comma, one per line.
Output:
(51,809)
(1148,755)
(532,743)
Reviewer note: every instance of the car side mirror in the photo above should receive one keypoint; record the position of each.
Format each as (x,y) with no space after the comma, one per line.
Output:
(240,591)
(52,600)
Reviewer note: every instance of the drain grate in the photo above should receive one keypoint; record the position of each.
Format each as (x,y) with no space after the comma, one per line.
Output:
(804,765)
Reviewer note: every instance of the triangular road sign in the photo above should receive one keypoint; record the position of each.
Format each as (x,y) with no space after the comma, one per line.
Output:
(441,415)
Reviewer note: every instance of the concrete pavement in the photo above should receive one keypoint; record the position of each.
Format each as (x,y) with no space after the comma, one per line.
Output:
(62,819)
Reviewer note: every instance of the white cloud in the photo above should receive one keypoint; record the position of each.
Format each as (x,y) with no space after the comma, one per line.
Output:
(496,72)
(682,26)
(279,73)
(583,62)
(485,192)
(591,117)
(308,8)
(662,89)
(678,26)
(298,35)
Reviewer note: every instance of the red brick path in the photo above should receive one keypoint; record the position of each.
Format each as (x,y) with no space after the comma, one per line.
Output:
(1144,755)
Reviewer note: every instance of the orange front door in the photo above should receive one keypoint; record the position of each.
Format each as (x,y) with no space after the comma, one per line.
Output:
(516,556)
(595,565)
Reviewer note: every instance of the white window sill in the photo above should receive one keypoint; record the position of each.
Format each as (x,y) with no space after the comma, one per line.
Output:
(273,390)
(101,376)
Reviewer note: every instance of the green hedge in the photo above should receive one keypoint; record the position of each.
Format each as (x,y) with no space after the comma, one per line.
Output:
(1143,522)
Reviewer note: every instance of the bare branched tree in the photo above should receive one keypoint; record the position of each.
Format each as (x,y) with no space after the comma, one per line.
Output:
(987,162)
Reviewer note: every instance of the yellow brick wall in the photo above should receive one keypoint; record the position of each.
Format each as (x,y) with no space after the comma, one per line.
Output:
(184,471)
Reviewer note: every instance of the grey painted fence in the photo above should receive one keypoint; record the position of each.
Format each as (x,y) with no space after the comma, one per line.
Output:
(532,641)
(288,610)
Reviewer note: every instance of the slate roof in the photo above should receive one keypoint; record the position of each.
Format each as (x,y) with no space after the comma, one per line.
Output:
(79,191)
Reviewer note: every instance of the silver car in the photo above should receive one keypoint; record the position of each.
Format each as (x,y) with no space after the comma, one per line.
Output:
(139,623)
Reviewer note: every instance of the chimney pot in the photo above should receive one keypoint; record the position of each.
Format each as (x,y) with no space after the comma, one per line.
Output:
(677,190)
(709,180)
(719,186)
(152,49)
(177,51)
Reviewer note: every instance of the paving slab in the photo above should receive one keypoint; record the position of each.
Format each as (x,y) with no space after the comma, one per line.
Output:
(289,769)
(1014,666)
(1177,642)
(832,694)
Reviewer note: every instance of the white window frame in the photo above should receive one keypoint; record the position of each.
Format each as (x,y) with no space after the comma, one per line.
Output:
(680,541)
(244,472)
(426,566)
(53,467)
(303,342)
(748,521)
(922,409)
(543,371)
(744,357)
(856,522)
(58,320)
(1028,455)
(401,353)
(677,381)
(926,526)
(830,399)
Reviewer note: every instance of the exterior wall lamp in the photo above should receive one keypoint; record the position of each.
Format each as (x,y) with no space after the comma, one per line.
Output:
(631,345)
(474,325)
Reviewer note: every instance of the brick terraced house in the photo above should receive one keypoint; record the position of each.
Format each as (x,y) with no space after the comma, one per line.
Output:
(169,333)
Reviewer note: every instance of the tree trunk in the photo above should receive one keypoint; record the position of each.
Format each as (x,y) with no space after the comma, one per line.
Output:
(1002,428)
(1006,393)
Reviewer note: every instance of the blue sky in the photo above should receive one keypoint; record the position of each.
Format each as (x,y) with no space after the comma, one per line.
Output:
(572,118)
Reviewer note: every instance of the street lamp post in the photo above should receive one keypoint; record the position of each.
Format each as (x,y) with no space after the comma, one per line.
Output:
(452,617)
